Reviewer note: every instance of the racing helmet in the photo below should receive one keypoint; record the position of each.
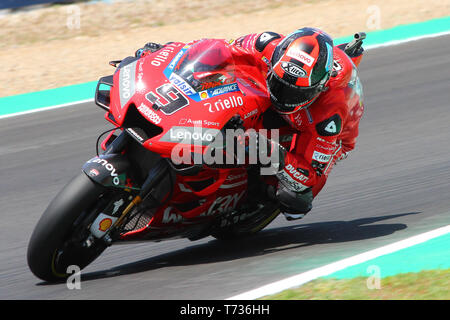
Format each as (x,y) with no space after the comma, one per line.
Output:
(301,66)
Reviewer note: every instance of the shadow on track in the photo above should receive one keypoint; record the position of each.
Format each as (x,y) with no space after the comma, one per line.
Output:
(267,241)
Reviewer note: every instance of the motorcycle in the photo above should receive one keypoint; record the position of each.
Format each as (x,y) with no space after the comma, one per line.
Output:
(135,190)
(151,182)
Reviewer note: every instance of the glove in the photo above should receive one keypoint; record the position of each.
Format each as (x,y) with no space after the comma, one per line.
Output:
(248,148)
(267,153)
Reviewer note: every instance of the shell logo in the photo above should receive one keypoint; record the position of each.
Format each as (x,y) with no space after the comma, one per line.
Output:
(203,95)
(105,224)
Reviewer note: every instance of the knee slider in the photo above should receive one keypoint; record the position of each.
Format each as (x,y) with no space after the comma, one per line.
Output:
(294,202)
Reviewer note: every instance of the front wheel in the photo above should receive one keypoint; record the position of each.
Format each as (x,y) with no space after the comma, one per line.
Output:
(54,246)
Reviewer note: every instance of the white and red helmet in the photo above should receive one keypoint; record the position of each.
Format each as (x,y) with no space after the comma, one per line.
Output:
(301,68)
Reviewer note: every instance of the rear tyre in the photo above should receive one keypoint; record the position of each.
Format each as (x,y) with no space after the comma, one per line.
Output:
(52,248)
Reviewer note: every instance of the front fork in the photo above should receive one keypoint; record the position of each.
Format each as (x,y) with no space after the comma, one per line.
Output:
(113,170)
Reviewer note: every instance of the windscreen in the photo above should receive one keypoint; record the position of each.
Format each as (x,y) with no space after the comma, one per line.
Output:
(203,69)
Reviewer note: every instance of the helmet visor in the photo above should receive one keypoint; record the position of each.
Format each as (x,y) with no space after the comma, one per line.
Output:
(287,97)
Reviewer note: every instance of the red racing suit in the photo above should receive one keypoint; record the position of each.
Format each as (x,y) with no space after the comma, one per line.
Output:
(325,131)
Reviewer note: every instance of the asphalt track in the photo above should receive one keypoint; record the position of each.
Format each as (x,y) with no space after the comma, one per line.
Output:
(395,185)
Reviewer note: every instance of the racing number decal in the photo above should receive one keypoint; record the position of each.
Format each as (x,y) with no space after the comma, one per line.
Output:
(167,98)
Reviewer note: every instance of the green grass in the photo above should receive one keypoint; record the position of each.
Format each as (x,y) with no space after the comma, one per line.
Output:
(424,285)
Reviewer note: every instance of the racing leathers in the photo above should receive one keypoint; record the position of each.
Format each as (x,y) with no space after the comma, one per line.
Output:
(322,133)
(313,138)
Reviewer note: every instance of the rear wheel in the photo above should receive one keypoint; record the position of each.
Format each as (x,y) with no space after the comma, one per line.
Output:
(57,241)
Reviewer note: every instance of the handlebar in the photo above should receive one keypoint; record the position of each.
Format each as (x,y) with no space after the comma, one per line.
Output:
(354,48)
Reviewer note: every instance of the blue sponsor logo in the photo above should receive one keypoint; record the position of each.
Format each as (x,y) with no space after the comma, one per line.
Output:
(181,84)
(175,60)
(223,89)
(217,91)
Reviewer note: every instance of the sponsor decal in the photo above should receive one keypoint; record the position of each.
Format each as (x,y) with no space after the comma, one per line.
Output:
(181,84)
(185,121)
(264,39)
(225,104)
(211,84)
(183,188)
(293,69)
(224,89)
(295,173)
(266,61)
(232,177)
(177,58)
(94,173)
(298,119)
(117,205)
(163,54)
(220,205)
(301,56)
(108,166)
(171,217)
(204,95)
(303,171)
(149,114)
(102,224)
(187,135)
(337,66)
(198,123)
(289,182)
(329,127)
(319,167)
(140,85)
(127,83)
(224,204)
(251,113)
(190,135)
(325,145)
(208,123)
(321,157)
(135,134)
(216,91)
(238,41)
(105,224)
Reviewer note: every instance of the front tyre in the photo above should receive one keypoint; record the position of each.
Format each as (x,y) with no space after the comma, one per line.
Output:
(51,248)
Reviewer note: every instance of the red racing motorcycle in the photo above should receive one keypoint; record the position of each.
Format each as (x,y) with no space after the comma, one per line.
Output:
(165,170)
(167,107)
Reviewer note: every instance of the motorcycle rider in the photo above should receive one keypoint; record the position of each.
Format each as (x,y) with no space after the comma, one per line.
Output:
(316,95)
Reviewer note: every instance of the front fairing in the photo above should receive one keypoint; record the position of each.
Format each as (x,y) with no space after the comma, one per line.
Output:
(188,91)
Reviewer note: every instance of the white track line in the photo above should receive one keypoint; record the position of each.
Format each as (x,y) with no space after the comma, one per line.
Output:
(397,42)
(375,46)
(64,105)
(300,279)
